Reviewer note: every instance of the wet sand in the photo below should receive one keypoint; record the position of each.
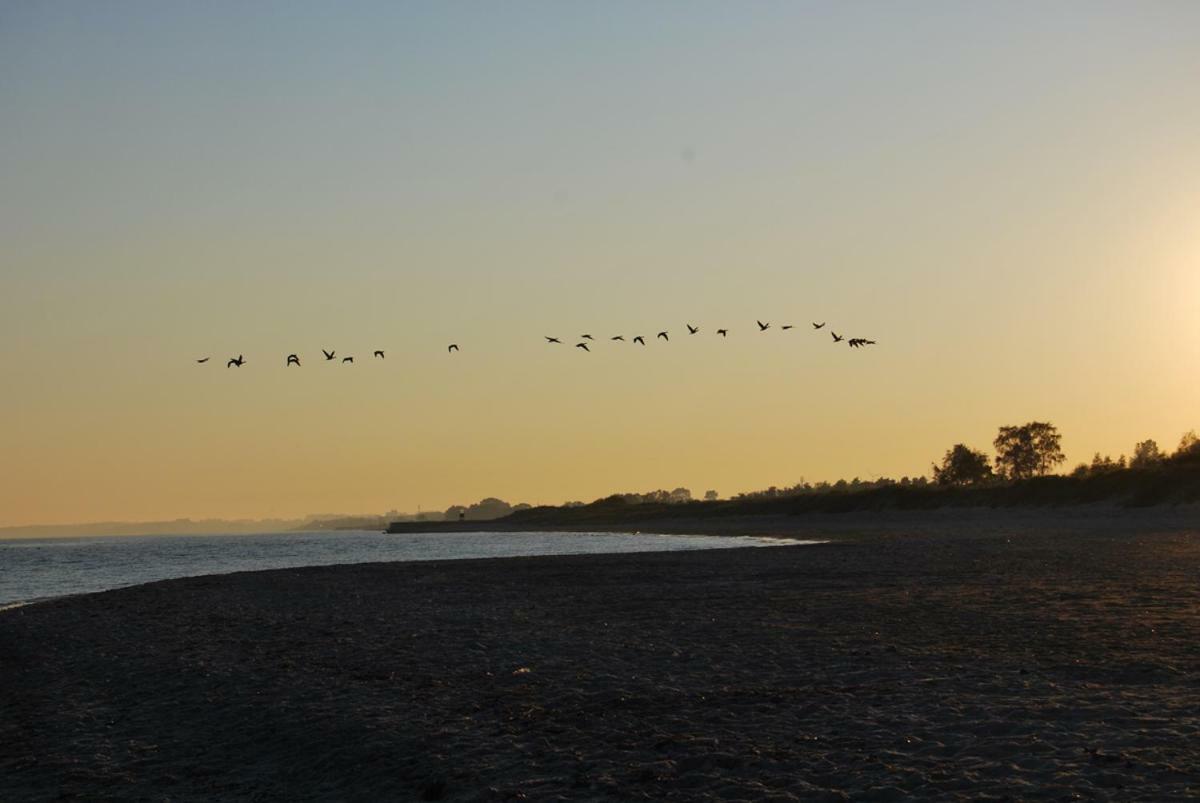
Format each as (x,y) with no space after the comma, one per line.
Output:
(1047,657)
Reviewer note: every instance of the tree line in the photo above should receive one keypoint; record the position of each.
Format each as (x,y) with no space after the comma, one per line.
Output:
(1034,450)
(1022,452)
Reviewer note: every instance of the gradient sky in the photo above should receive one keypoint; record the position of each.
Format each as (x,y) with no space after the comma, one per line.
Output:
(1005,195)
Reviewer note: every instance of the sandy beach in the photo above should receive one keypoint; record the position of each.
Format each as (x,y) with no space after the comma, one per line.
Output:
(1012,656)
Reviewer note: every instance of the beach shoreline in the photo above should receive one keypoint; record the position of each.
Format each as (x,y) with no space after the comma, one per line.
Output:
(1102,517)
(1011,659)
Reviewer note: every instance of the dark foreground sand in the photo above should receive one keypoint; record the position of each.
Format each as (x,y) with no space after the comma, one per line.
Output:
(1058,662)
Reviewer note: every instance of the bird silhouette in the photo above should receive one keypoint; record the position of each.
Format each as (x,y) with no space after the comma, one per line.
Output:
(640,339)
(452,347)
(836,337)
(587,337)
(663,335)
(238,362)
(786,326)
(379,353)
(347,359)
(723,332)
(328,354)
(692,329)
(583,346)
(617,337)
(293,360)
(856,342)
(762,327)
(202,359)
(551,339)
(820,325)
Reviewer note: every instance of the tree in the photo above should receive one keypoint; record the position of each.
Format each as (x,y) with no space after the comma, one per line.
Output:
(962,465)
(710,496)
(1189,446)
(1145,455)
(1103,464)
(1029,450)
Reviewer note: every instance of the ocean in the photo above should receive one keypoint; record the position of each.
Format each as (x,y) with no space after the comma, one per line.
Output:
(32,569)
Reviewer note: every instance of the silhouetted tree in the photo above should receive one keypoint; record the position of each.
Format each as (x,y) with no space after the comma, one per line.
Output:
(1029,450)
(710,496)
(962,465)
(483,510)
(1189,447)
(1146,454)
(1100,465)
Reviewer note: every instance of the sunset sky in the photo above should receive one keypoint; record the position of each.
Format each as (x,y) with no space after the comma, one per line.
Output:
(1006,196)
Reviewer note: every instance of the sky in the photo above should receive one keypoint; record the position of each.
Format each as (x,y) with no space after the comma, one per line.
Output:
(1005,196)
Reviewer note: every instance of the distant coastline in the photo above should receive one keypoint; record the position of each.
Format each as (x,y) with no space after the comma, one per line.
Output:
(1121,493)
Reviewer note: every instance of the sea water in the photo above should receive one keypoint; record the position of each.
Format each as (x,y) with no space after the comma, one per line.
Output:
(32,569)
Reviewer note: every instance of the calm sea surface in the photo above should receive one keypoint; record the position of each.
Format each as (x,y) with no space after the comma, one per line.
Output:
(50,567)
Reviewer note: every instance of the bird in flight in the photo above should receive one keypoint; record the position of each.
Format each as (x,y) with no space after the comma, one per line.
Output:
(663,335)
(204,359)
(328,354)
(856,342)
(583,346)
(786,326)
(762,327)
(551,339)
(618,337)
(723,332)
(692,329)
(820,325)
(587,337)
(379,353)
(347,359)
(293,360)
(836,337)
(452,347)
(238,362)
(640,339)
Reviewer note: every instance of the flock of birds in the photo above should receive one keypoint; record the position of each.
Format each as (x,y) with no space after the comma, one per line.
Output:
(294,359)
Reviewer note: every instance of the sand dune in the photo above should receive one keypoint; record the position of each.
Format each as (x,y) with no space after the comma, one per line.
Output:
(1057,662)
